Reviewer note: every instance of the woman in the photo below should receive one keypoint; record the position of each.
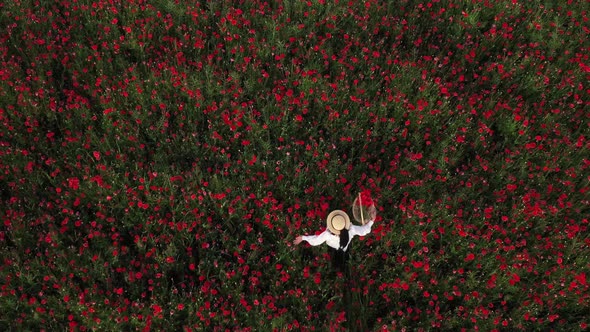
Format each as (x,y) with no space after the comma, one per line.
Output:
(338,235)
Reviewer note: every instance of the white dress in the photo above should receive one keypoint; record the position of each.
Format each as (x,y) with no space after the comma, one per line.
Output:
(334,240)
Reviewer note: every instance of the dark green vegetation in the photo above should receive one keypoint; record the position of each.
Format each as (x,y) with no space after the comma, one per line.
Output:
(156,162)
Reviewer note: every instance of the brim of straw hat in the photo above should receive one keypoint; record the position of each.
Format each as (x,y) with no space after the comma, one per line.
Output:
(338,220)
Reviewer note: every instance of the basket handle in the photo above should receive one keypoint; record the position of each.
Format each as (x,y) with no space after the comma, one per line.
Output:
(361,208)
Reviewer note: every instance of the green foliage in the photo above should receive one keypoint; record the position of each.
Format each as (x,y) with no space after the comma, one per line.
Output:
(157,161)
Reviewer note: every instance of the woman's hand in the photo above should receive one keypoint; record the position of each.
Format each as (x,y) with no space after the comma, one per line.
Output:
(298,240)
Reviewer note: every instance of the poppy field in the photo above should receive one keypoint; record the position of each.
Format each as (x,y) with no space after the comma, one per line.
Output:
(157,160)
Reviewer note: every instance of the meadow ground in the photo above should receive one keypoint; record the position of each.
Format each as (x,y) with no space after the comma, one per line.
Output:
(158,159)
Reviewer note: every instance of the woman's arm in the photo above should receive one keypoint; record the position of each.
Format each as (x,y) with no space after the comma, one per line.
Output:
(314,240)
(361,230)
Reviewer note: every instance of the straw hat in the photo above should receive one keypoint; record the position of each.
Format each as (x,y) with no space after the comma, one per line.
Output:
(337,220)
